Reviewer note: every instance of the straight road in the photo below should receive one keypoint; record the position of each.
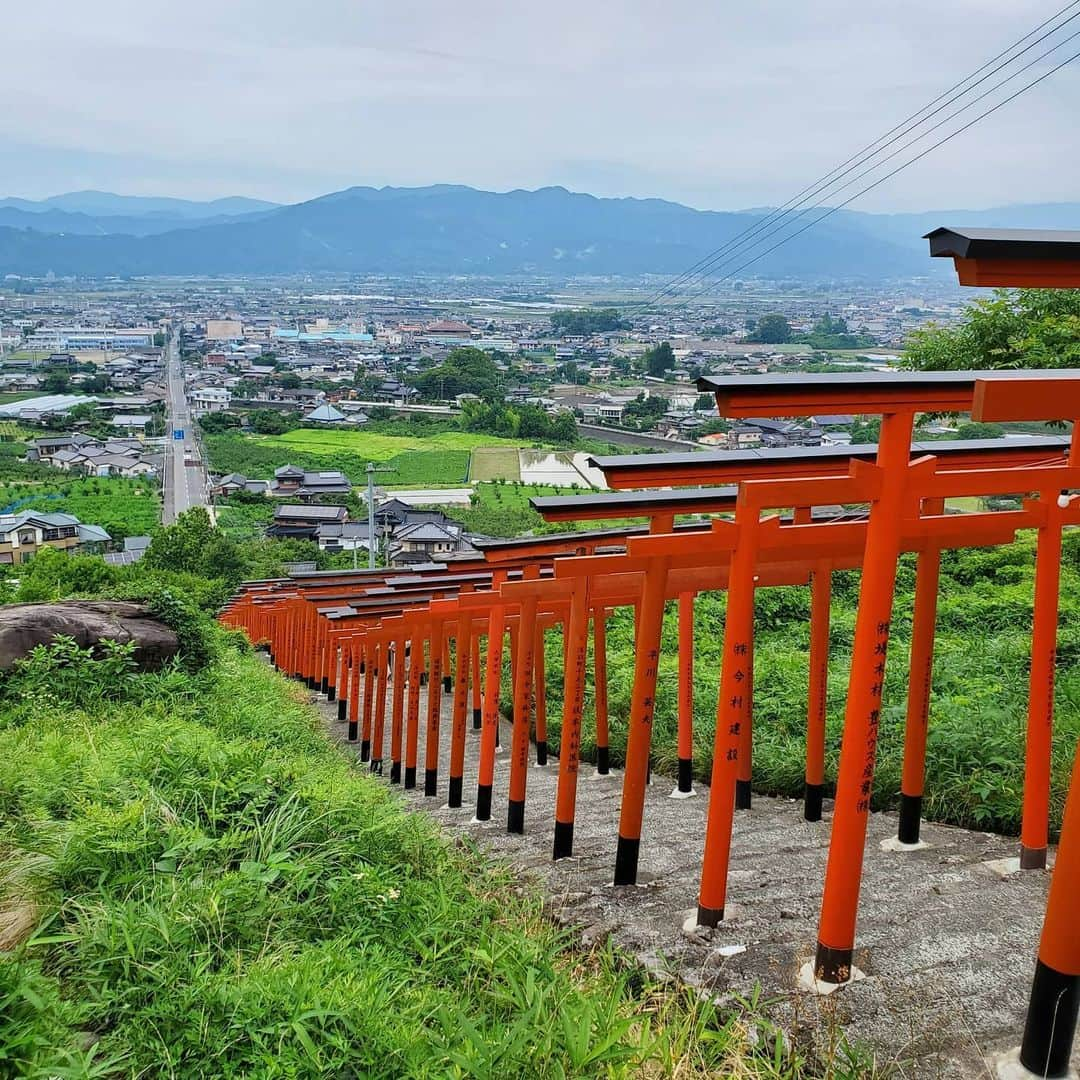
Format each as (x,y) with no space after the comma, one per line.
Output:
(185,483)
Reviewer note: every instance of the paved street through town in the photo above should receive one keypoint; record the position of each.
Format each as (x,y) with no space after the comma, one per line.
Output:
(185,483)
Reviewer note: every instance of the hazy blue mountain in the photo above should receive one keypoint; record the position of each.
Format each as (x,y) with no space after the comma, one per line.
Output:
(909,229)
(63,221)
(453,229)
(106,204)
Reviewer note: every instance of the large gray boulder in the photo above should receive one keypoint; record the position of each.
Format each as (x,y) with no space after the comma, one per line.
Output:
(22,626)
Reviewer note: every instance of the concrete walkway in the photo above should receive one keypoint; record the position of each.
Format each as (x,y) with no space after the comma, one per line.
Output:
(948,946)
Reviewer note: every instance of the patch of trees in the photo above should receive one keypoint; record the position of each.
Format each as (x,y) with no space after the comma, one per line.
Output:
(1034,328)
(585,321)
(273,421)
(217,422)
(643,412)
(769,330)
(830,333)
(518,421)
(466,370)
(659,360)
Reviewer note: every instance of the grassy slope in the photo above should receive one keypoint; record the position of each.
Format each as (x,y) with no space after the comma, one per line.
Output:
(978,711)
(195,883)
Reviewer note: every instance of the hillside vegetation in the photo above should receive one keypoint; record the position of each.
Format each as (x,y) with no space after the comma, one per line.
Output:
(197,883)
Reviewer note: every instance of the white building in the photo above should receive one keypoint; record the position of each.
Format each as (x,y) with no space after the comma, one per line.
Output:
(89,338)
(208,399)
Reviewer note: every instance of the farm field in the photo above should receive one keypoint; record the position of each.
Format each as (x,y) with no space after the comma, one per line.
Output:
(404,462)
(376,447)
(495,463)
(122,506)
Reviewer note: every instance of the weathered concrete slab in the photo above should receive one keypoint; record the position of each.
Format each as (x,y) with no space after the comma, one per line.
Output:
(947,945)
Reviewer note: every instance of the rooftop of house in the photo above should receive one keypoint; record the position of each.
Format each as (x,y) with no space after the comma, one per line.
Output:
(292,512)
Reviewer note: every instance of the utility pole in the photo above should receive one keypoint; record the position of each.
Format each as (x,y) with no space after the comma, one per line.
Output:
(370,514)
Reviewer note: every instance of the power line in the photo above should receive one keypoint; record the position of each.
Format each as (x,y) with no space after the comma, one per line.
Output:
(733,254)
(900,168)
(872,149)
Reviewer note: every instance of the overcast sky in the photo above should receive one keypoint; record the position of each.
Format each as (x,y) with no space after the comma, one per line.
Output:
(716,103)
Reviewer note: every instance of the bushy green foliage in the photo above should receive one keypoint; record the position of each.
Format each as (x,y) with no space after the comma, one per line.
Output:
(466,370)
(771,329)
(659,360)
(62,674)
(1031,328)
(209,889)
(518,421)
(581,322)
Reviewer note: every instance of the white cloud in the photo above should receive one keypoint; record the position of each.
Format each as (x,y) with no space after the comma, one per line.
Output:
(688,100)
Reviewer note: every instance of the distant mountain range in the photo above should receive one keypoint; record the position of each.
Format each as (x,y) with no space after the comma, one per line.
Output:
(449,229)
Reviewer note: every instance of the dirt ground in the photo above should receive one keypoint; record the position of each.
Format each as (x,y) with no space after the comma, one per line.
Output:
(946,943)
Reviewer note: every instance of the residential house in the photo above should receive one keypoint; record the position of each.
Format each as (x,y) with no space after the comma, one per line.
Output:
(303,522)
(132,422)
(234,482)
(327,414)
(293,482)
(428,542)
(209,399)
(24,534)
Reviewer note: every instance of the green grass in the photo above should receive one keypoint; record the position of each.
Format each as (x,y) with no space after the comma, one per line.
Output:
(244,521)
(195,883)
(375,447)
(259,456)
(978,711)
(21,395)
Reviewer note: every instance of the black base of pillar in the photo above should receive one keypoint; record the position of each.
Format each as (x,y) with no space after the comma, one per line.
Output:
(743,794)
(365,750)
(813,796)
(483,802)
(515,816)
(710,916)
(686,774)
(1051,1022)
(410,778)
(1032,858)
(395,772)
(331,693)
(564,840)
(498,740)
(376,766)
(832,965)
(423,678)
(311,684)
(431,782)
(361,667)
(910,819)
(477,719)
(626,860)
(354,731)
(448,684)
(342,708)
(603,760)
(454,799)
(324,686)
(541,753)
